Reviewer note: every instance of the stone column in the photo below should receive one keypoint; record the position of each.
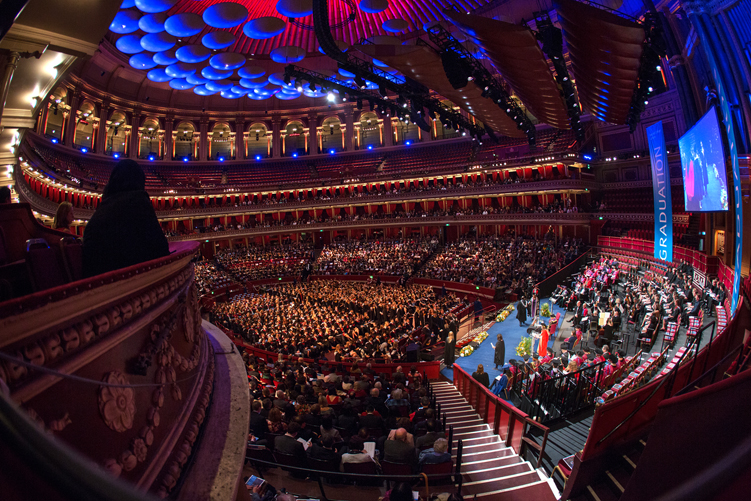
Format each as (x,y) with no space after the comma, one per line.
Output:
(203,144)
(169,123)
(349,136)
(134,134)
(313,139)
(388,132)
(101,138)
(239,138)
(43,113)
(11,63)
(70,132)
(276,150)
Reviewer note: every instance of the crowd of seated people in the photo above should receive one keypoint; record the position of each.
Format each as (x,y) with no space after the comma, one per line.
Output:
(210,278)
(320,412)
(256,262)
(340,319)
(394,257)
(501,262)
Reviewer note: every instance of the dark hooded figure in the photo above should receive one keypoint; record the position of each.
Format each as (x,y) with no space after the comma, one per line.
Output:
(124,229)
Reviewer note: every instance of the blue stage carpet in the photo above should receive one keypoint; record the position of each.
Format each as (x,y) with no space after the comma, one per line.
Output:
(512,335)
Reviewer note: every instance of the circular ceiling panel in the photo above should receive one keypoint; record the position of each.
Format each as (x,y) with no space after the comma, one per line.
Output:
(346,73)
(257,97)
(252,84)
(126,21)
(380,64)
(185,24)
(288,54)
(152,23)
(196,80)
(373,6)
(157,42)
(384,40)
(295,8)
(251,72)
(213,74)
(265,91)
(219,85)
(218,40)
(343,46)
(277,78)
(180,70)
(127,4)
(158,75)
(228,94)
(264,27)
(129,44)
(142,61)
(166,57)
(225,15)
(153,6)
(201,90)
(287,97)
(192,53)
(227,61)
(395,25)
(180,84)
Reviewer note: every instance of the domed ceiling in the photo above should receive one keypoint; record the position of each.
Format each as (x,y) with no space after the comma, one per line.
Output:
(205,46)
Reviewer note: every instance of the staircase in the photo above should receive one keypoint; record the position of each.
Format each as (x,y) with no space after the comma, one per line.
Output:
(490,470)
(619,467)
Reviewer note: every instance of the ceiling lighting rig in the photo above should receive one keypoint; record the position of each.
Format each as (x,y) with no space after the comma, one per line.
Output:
(407,89)
(551,38)
(462,67)
(650,80)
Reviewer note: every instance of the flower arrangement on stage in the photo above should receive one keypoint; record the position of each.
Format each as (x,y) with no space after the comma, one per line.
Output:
(503,315)
(545,310)
(525,347)
(469,346)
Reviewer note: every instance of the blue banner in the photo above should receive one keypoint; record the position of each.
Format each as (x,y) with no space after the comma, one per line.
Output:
(661,190)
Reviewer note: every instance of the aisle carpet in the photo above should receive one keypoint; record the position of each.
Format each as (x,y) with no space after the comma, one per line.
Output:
(512,335)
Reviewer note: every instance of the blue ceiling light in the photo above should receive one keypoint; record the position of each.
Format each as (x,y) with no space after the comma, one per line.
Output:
(213,74)
(221,159)
(196,80)
(142,61)
(258,157)
(151,158)
(154,6)
(116,155)
(152,23)
(294,155)
(84,150)
(218,40)
(129,44)
(157,42)
(54,140)
(180,70)
(158,75)
(185,159)
(264,27)
(125,21)
(370,146)
(251,72)
(219,85)
(408,143)
(227,61)
(192,53)
(185,24)
(331,152)
(166,57)
(225,15)
(180,84)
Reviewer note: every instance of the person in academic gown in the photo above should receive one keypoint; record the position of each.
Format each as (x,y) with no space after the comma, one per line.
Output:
(449,351)
(500,351)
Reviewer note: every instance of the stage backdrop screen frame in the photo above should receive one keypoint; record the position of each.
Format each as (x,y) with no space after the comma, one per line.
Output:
(705,184)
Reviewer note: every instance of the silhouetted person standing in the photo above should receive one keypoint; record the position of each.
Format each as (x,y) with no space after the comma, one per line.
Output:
(124,229)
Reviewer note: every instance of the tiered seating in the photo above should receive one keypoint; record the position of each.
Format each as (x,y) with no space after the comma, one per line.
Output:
(428,158)
(612,382)
(681,354)
(670,335)
(641,374)
(694,324)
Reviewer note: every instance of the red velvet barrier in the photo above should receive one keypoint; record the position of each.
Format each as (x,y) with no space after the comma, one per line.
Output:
(431,369)
(485,292)
(695,258)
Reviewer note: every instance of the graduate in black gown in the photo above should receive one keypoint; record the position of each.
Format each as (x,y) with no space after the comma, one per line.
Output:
(449,351)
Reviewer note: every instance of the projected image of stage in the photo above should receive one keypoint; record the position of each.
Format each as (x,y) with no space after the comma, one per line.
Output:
(703,165)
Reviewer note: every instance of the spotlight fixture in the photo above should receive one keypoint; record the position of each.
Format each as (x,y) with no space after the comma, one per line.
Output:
(359,103)
(312,87)
(360,82)
(286,79)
